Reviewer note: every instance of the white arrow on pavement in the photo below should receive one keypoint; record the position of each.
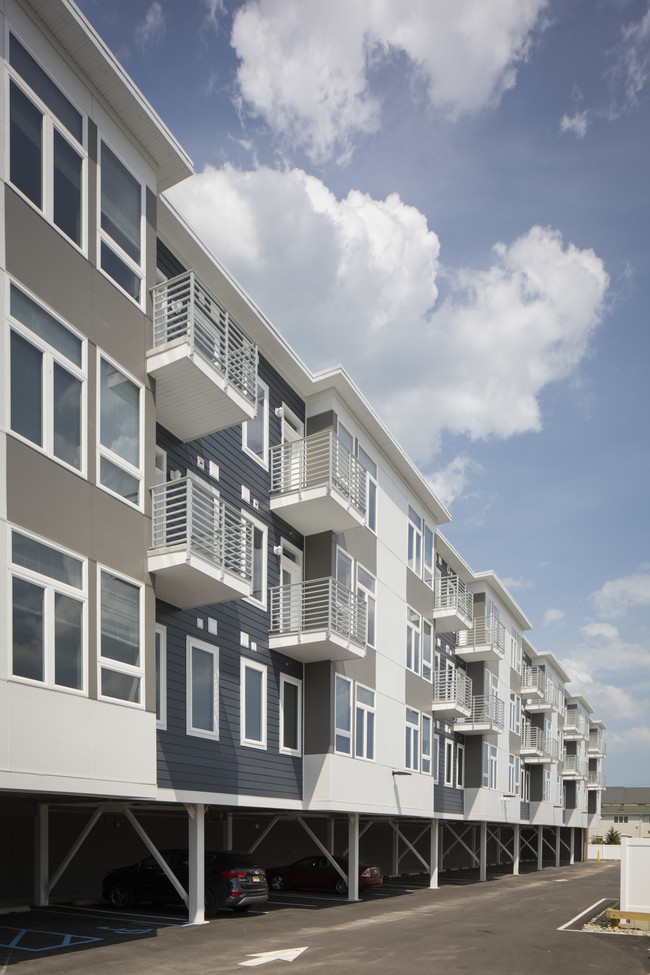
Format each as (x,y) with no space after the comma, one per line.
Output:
(284,954)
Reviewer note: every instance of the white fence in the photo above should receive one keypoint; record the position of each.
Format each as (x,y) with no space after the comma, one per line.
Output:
(603,851)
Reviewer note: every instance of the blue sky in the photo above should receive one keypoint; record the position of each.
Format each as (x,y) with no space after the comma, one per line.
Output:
(450,197)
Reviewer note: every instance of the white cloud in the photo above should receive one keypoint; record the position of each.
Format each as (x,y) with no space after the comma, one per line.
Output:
(450,482)
(151,31)
(519,583)
(553,616)
(576,123)
(630,65)
(619,595)
(306,67)
(355,281)
(604,630)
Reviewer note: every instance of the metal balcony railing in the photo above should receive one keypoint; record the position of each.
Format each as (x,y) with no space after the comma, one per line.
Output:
(574,765)
(532,738)
(596,743)
(184,309)
(595,780)
(452,593)
(575,723)
(533,680)
(453,687)
(188,514)
(319,604)
(487,709)
(319,461)
(487,631)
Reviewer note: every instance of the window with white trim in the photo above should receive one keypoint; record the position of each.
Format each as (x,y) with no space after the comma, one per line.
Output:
(449,762)
(413,633)
(436,758)
(514,775)
(489,766)
(427,650)
(515,713)
(364,746)
(161,675)
(290,715)
(255,432)
(371,467)
(547,795)
(414,542)
(259,588)
(412,750)
(121,664)
(120,439)
(202,691)
(253,703)
(460,766)
(47,381)
(121,218)
(47,145)
(427,725)
(515,650)
(48,614)
(428,556)
(342,715)
(366,588)
(524,783)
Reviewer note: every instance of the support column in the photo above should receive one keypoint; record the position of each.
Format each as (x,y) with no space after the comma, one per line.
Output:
(331,829)
(353,856)
(42,855)
(498,845)
(572,850)
(558,840)
(516,850)
(483,853)
(395,853)
(540,847)
(227,832)
(196,849)
(433,856)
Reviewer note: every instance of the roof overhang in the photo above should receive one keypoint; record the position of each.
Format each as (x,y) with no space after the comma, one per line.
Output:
(491,579)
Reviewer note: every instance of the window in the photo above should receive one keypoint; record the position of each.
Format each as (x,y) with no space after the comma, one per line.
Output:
(255,432)
(427,724)
(119,449)
(524,781)
(547,795)
(460,766)
(342,715)
(253,704)
(48,614)
(47,157)
(161,676)
(428,556)
(48,381)
(489,766)
(202,674)
(371,467)
(290,715)
(412,756)
(413,626)
(427,650)
(258,593)
(449,762)
(514,775)
(120,638)
(436,757)
(515,650)
(366,585)
(620,819)
(365,723)
(120,231)
(415,542)
(515,713)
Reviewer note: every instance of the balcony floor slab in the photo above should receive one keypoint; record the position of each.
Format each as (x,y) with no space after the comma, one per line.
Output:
(187,581)
(314,646)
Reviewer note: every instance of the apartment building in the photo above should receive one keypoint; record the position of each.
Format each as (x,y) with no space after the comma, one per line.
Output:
(231,619)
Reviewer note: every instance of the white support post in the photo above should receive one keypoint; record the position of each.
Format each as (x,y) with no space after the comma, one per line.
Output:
(483,854)
(516,852)
(572,849)
(196,879)
(498,839)
(395,870)
(353,856)
(42,855)
(433,857)
(540,847)
(558,840)
(227,829)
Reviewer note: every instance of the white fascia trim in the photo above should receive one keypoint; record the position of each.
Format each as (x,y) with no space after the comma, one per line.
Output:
(277,803)
(582,701)
(62,785)
(548,658)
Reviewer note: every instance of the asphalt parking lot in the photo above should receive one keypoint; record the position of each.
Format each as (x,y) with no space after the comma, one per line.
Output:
(507,926)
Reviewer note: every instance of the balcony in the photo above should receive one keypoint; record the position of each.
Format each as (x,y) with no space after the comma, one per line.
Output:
(574,767)
(486,717)
(202,548)
(595,780)
(596,746)
(485,641)
(536,749)
(452,695)
(549,699)
(575,726)
(533,683)
(318,485)
(204,363)
(318,620)
(453,606)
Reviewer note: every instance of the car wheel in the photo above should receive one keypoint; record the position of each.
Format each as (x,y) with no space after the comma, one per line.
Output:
(119,895)
(241,908)
(276,882)
(210,902)
(340,886)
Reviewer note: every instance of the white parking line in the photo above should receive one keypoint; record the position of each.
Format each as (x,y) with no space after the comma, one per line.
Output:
(582,914)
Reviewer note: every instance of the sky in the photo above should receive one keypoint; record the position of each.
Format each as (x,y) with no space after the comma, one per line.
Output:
(451,199)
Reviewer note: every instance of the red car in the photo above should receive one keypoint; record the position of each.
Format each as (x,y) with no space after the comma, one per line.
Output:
(317,873)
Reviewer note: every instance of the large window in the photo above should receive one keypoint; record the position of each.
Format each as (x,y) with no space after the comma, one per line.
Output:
(415,542)
(120,433)
(253,703)
(121,666)
(48,381)
(47,156)
(290,715)
(120,232)
(255,432)
(48,614)
(342,715)
(514,775)
(412,749)
(489,766)
(202,674)
(413,634)
(515,713)
(365,723)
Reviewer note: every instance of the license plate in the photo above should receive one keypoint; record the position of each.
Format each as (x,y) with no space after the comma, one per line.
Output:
(255,879)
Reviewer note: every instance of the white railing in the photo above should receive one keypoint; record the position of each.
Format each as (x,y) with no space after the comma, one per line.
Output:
(595,780)
(574,765)
(532,738)
(485,632)
(453,687)
(319,604)
(320,460)
(533,680)
(486,709)
(575,722)
(596,743)
(184,309)
(188,514)
(553,695)
(452,593)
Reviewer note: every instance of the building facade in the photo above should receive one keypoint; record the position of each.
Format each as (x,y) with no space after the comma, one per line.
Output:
(627,810)
(230,615)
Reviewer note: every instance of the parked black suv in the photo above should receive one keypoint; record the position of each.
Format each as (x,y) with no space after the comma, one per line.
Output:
(231,880)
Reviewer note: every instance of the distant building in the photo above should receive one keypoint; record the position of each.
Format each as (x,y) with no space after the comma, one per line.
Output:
(627,810)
